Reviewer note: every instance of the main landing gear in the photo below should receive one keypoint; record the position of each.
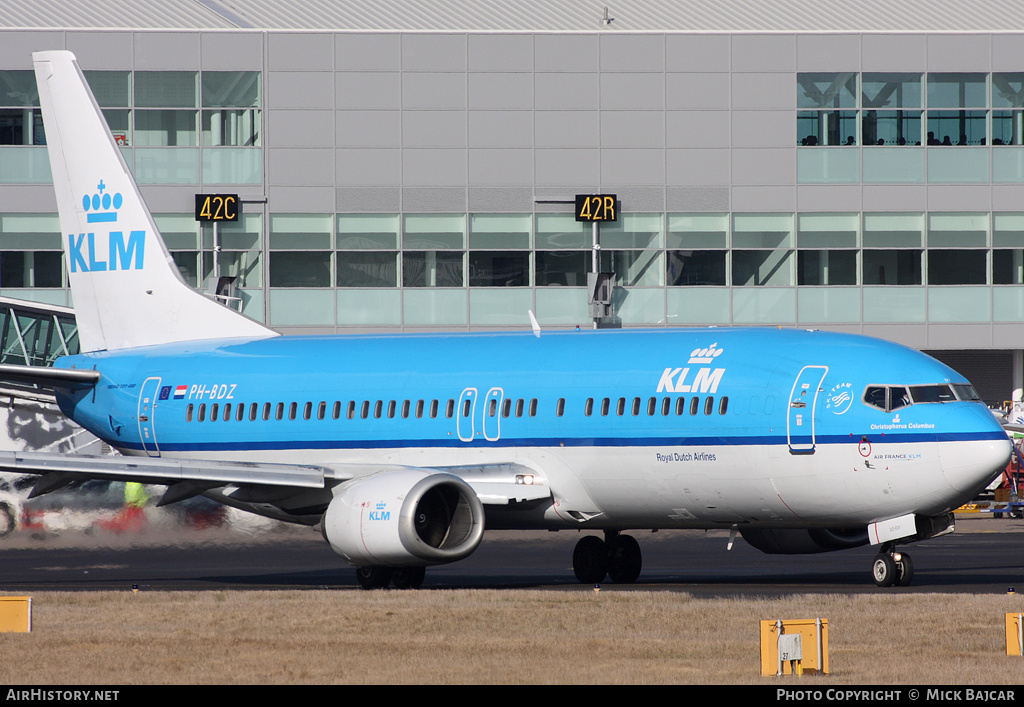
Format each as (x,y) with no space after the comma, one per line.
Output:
(617,557)
(892,568)
(378,577)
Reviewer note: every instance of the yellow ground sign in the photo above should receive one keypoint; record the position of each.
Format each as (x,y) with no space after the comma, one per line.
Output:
(812,660)
(1014,634)
(15,614)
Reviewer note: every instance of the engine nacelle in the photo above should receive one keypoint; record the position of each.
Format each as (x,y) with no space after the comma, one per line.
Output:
(407,517)
(787,541)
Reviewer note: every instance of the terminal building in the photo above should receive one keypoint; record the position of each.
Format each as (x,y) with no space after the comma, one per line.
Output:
(410,165)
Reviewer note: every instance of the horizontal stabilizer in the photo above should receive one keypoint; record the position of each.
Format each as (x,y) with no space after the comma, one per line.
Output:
(49,377)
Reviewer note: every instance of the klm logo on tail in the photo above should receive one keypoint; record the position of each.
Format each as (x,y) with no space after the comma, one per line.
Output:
(85,251)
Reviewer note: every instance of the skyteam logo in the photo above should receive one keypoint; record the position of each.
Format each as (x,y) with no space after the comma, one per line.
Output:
(86,250)
(705,380)
(839,398)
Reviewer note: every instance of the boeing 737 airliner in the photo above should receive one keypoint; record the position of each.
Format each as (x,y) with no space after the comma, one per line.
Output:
(401,447)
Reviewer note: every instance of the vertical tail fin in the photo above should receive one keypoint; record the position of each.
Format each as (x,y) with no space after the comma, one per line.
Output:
(127,290)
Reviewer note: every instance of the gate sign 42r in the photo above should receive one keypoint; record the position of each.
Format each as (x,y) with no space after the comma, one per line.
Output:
(596,207)
(216,207)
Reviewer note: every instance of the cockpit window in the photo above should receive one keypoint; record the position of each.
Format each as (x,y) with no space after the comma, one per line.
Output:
(894,397)
(932,393)
(875,396)
(965,391)
(898,397)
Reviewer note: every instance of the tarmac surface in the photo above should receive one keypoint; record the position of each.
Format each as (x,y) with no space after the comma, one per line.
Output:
(983,556)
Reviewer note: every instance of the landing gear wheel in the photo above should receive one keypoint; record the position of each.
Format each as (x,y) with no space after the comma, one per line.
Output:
(904,570)
(408,577)
(7,522)
(374,577)
(624,559)
(590,560)
(884,570)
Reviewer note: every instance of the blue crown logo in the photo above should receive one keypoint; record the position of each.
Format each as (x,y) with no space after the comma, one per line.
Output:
(101,201)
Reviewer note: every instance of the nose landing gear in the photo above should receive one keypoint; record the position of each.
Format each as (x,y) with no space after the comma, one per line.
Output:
(892,568)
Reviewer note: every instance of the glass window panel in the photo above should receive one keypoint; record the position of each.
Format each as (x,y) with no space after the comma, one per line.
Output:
(698,306)
(434,231)
(111,88)
(1008,89)
(835,128)
(762,231)
(499,231)
(1008,230)
(698,231)
(827,90)
(233,128)
(633,231)
(369,307)
(957,230)
(956,90)
(893,230)
(179,231)
(368,231)
(300,231)
(894,304)
(24,165)
(188,265)
(299,269)
(891,127)
(231,89)
(166,89)
(166,165)
(764,305)
(30,232)
(434,307)
(243,234)
(828,305)
(18,88)
(119,122)
(497,308)
(432,269)
(830,166)
(233,165)
(959,304)
(892,267)
(243,266)
(640,306)
(567,268)
(634,268)
(31,269)
(1008,266)
(1007,127)
(826,267)
(165,128)
(368,269)
(695,267)
(956,128)
(301,308)
(890,90)
(562,231)
(21,127)
(762,268)
(827,230)
(499,269)
(957,267)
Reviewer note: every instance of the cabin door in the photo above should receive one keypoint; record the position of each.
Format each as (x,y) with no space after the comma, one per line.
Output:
(147,409)
(803,400)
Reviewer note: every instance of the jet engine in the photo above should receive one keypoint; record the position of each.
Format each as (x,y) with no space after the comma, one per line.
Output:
(775,541)
(407,517)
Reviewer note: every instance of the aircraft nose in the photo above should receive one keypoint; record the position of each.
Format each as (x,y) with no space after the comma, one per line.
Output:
(970,465)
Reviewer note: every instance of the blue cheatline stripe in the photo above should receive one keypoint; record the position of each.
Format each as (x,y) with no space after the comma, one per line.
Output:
(556,442)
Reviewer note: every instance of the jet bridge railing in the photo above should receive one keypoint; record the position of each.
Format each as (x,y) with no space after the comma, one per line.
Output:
(35,334)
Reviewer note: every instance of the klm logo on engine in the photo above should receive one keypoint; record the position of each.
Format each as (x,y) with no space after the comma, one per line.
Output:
(379,513)
(704,380)
(88,253)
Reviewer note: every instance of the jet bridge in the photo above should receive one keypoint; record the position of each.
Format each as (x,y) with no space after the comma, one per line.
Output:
(35,334)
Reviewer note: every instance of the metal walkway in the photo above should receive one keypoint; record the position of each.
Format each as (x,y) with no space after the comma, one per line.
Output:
(34,334)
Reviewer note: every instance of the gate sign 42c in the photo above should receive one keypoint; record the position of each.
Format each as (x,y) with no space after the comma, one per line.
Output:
(216,207)
(596,207)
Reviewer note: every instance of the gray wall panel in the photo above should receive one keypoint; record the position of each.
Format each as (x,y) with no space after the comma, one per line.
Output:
(894,52)
(895,197)
(566,53)
(300,167)
(110,51)
(16,46)
(1007,197)
(960,197)
(568,128)
(764,199)
(828,52)
(368,90)
(500,128)
(300,51)
(634,166)
(367,52)
(565,167)
(232,51)
(697,167)
(309,200)
(764,128)
(690,91)
(17,198)
(433,167)
(697,199)
(567,91)
(959,52)
(501,167)
(763,166)
(636,199)
(166,51)
(431,90)
(621,128)
(697,128)
(632,91)
(1007,52)
(299,89)
(434,52)
(764,91)
(697,53)
(433,200)
(368,128)
(503,199)
(433,128)
(369,199)
(501,90)
(839,197)
(300,128)
(496,52)
(763,52)
(369,167)
(633,52)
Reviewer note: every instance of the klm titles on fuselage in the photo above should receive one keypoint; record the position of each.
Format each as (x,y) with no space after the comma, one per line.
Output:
(86,255)
(705,380)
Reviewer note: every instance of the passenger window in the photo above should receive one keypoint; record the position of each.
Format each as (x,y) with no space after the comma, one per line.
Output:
(266,411)
(202,412)
(227,412)
(723,405)
(450,410)
(680,405)
(378,409)
(391,409)
(506,407)
(419,409)
(188,413)
(694,405)
(351,409)
(492,409)
(519,407)
(560,407)
(433,409)
(465,408)
(405,409)
(293,410)
(636,406)
(321,411)
(588,409)
(666,406)
(240,412)
(307,410)
(652,406)
(604,406)
(620,409)
(213,412)
(709,406)
(253,408)
(365,412)
(533,407)
(337,409)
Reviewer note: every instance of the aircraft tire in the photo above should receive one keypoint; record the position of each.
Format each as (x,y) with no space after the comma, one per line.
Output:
(374,577)
(884,570)
(624,560)
(904,570)
(408,577)
(590,560)
(7,521)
